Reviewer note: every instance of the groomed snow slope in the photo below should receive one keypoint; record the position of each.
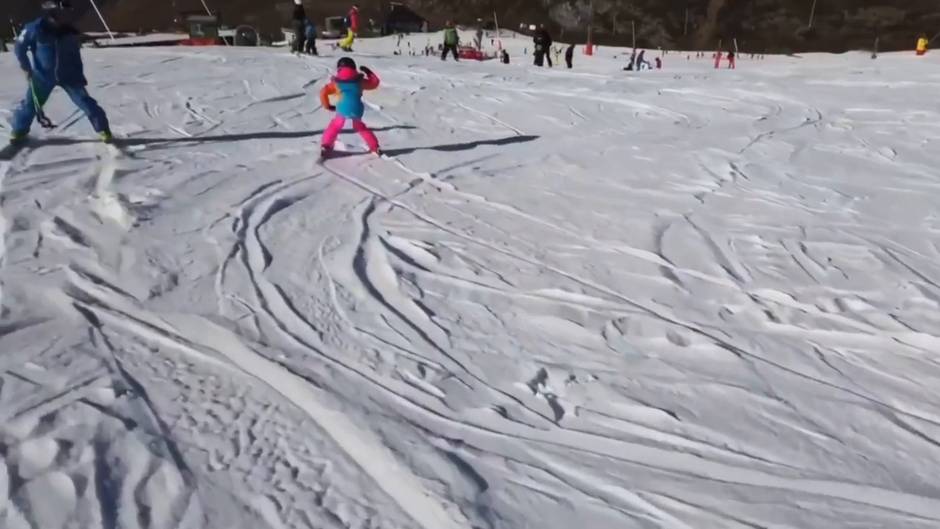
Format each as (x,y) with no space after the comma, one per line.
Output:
(684,299)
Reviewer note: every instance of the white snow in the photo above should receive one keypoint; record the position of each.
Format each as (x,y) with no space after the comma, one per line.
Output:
(687,299)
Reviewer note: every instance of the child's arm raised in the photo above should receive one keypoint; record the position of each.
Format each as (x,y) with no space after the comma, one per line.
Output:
(371,82)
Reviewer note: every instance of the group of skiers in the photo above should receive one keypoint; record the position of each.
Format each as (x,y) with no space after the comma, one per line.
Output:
(53,42)
(48,50)
(542,51)
(638,62)
(305,31)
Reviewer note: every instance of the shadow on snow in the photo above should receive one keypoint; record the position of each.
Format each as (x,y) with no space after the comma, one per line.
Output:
(282,135)
(464,146)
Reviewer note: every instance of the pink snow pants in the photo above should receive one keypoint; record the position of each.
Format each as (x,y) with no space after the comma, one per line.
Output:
(336,126)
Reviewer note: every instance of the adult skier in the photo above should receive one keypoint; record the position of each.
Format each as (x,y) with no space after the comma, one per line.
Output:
(56,61)
(632,64)
(543,46)
(299,20)
(451,41)
(348,84)
(569,56)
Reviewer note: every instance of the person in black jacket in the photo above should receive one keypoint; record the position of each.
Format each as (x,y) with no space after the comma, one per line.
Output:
(569,56)
(299,19)
(543,46)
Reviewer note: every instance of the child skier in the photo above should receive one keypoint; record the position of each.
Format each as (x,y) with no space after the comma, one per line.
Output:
(310,31)
(56,61)
(349,85)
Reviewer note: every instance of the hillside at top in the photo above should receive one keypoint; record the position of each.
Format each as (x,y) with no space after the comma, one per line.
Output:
(758,25)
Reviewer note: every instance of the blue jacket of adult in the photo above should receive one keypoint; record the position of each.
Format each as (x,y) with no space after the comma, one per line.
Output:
(56,49)
(311,31)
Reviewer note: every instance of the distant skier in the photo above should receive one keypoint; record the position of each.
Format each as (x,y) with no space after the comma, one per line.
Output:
(56,61)
(352,28)
(922,44)
(451,41)
(659,63)
(569,56)
(543,46)
(641,62)
(504,56)
(632,64)
(348,84)
(311,33)
(731,60)
(353,17)
(299,19)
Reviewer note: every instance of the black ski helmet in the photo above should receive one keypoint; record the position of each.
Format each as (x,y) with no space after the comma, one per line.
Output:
(346,62)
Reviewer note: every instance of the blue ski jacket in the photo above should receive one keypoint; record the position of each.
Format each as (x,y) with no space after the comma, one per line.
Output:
(349,84)
(57,55)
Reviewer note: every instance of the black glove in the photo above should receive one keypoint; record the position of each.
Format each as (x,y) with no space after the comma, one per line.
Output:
(331,108)
(365,70)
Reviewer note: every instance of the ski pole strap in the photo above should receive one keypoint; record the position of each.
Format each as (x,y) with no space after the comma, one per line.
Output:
(41,116)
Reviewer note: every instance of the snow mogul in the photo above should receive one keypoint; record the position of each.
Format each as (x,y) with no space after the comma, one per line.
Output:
(56,61)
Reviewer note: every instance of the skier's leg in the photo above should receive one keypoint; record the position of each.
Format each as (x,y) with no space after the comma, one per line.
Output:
(26,112)
(88,105)
(347,42)
(444,53)
(332,131)
(366,134)
(299,34)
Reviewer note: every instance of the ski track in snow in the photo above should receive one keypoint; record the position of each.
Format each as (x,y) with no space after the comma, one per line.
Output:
(679,299)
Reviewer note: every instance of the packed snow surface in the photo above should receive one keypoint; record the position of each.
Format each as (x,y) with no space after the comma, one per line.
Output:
(683,299)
